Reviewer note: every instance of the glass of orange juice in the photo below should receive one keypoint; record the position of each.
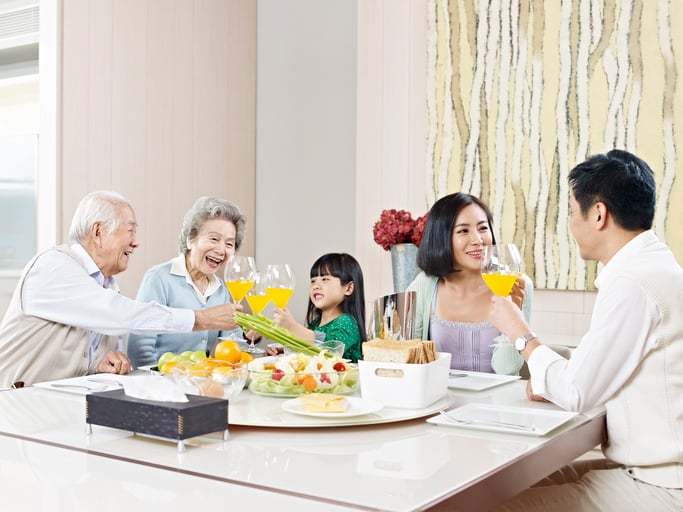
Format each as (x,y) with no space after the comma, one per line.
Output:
(500,267)
(279,283)
(258,299)
(239,276)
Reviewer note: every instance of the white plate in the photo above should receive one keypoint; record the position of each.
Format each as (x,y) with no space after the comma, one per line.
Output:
(504,418)
(84,385)
(357,407)
(477,381)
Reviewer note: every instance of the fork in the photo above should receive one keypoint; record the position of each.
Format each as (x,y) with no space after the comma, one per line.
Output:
(495,423)
(76,386)
(108,382)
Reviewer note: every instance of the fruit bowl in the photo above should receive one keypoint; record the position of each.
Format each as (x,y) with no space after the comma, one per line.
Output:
(222,381)
(298,374)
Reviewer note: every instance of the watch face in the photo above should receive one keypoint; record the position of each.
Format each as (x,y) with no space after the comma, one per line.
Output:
(520,343)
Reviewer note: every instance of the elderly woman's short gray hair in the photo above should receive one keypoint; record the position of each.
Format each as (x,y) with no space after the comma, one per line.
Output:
(102,206)
(206,209)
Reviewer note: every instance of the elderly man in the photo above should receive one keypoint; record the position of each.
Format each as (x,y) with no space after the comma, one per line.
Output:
(631,358)
(66,315)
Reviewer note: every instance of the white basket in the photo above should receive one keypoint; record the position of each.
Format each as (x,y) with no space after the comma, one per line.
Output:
(407,386)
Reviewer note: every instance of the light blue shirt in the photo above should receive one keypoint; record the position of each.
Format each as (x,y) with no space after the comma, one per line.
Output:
(169,283)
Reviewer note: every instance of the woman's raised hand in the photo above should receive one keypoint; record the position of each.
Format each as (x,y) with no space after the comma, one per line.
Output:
(517,293)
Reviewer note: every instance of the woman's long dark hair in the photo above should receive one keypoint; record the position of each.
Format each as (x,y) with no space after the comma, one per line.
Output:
(346,268)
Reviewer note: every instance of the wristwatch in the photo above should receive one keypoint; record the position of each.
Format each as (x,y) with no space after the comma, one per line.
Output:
(520,343)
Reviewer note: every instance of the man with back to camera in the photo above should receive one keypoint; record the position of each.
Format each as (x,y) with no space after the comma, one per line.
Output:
(630,360)
(66,315)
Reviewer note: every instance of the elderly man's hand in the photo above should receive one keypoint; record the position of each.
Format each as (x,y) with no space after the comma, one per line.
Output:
(114,362)
(217,317)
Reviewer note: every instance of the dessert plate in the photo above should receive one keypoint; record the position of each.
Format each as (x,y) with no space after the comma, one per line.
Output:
(357,407)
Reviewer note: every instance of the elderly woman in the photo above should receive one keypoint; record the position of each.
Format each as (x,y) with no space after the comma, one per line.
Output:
(213,229)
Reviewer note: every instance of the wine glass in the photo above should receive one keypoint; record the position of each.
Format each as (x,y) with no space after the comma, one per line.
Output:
(279,283)
(239,276)
(258,299)
(500,267)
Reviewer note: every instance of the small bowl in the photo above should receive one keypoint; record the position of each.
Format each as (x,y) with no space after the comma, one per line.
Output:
(334,346)
(261,380)
(231,380)
(222,381)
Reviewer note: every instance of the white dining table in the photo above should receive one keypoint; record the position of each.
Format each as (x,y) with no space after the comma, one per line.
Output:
(395,461)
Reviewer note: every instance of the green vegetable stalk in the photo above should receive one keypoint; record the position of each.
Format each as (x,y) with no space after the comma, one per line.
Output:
(265,327)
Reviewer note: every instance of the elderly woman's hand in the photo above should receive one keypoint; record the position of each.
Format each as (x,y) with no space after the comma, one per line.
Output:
(517,294)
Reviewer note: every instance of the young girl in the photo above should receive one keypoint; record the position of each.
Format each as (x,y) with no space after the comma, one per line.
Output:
(336,305)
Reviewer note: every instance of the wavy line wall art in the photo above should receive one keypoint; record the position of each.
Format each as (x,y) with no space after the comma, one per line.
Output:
(518,92)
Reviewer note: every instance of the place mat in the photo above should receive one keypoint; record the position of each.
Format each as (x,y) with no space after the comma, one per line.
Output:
(501,418)
(477,381)
(85,384)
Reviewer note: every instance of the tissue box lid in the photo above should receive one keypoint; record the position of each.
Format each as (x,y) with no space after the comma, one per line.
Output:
(170,420)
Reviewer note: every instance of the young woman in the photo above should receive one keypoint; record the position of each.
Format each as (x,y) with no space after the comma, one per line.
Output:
(336,306)
(453,302)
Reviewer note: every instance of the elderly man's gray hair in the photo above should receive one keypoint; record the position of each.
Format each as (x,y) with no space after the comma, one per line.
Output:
(102,206)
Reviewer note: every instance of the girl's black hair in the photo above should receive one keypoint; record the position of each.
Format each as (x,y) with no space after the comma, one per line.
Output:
(346,268)
(435,254)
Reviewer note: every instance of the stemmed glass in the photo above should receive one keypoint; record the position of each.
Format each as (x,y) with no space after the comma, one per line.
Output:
(279,283)
(257,300)
(501,265)
(239,276)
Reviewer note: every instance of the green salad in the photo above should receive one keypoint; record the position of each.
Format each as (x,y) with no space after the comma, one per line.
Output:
(298,374)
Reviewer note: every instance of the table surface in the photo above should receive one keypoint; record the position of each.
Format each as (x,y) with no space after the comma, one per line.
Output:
(401,466)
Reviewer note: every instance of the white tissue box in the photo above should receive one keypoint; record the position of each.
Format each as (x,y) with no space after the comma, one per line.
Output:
(402,385)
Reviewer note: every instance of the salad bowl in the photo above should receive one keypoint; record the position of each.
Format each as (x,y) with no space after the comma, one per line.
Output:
(297,374)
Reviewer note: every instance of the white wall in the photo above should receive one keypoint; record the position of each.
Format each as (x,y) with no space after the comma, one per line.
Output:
(305,134)
(340,119)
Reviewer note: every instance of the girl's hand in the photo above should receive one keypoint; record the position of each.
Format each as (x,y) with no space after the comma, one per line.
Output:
(272,350)
(283,318)
(517,294)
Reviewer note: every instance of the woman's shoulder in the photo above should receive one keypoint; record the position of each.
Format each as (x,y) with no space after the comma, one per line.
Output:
(157,276)
(160,268)
(422,282)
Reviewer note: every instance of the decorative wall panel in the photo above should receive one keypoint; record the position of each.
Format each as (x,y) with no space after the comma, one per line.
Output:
(518,92)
